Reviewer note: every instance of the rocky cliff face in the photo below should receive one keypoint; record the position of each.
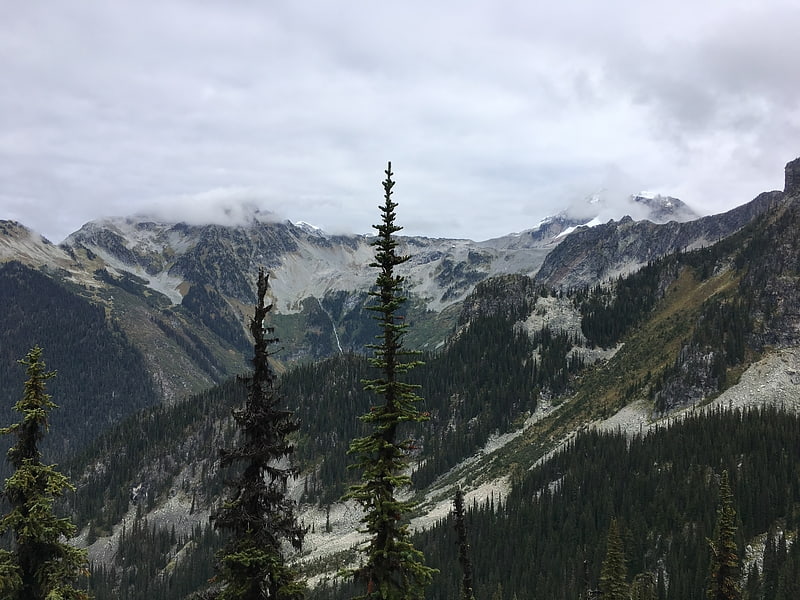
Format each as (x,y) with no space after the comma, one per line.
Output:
(620,247)
(792,185)
(306,263)
(774,277)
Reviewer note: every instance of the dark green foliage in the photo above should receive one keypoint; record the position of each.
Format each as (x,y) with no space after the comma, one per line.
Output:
(41,566)
(661,488)
(103,378)
(467,591)
(257,514)
(780,578)
(145,453)
(161,440)
(149,548)
(609,312)
(613,571)
(475,386)
(774,559)
(331,396)
(723,575)
(752,588)
(509,296)
(644,587)
(338,323)
(193,346)
(393,568)
(208,306)
(789,579)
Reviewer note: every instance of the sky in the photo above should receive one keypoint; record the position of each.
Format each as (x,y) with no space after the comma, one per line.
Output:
(494,114)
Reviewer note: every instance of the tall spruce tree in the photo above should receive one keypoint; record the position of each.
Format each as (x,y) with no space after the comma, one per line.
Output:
(723,578)
(613,572)
(467,587)
(41,566)
(257,514)
(393,568)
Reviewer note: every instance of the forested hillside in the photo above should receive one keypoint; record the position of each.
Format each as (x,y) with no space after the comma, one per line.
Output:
(101,379)
(547,538)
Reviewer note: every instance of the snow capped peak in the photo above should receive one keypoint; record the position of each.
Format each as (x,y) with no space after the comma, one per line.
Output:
(309,228)
(649,197)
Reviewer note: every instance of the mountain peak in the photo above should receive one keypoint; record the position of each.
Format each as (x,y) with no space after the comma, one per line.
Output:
(661,209)
(17,242)
(651,206)
(309,228)
(792,186)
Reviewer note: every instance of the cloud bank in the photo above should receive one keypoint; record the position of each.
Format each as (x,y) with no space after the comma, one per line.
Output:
(494,114)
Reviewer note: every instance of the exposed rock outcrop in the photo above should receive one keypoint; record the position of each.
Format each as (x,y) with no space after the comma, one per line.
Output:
(621,247)
(792,186)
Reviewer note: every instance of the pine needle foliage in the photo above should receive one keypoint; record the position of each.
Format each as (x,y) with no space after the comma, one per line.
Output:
(723,580)
(393,568)
(257,514)
(467,587)
(614,572)
(42,566)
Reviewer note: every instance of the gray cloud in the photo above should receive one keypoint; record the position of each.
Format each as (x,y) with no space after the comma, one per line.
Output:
(495,114)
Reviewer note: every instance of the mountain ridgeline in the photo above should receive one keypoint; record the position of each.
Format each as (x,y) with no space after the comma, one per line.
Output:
(531,345)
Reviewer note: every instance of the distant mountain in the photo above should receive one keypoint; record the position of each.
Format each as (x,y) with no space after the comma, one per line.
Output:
(621,247)
(181,293)
(661,209)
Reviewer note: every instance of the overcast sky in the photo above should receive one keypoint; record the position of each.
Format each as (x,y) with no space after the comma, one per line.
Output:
(493,113)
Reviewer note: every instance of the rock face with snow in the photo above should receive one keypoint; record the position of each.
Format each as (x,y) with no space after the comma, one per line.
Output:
(621,247)
(662,209)
(307,263)
(190,286)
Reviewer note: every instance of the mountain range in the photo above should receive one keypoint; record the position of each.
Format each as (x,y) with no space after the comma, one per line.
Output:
(570,326)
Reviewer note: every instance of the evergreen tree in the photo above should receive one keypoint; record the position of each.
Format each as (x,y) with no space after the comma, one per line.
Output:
(643,587)
(613,572)
(467,590)
(661,586)
(42,565)
(498,593)
(752,589)
(789,582)
(771,566)
(257,513)
(393,568)
(723,582)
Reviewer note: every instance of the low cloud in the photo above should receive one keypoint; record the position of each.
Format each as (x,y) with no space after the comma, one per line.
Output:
(231,206)
(495,114)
